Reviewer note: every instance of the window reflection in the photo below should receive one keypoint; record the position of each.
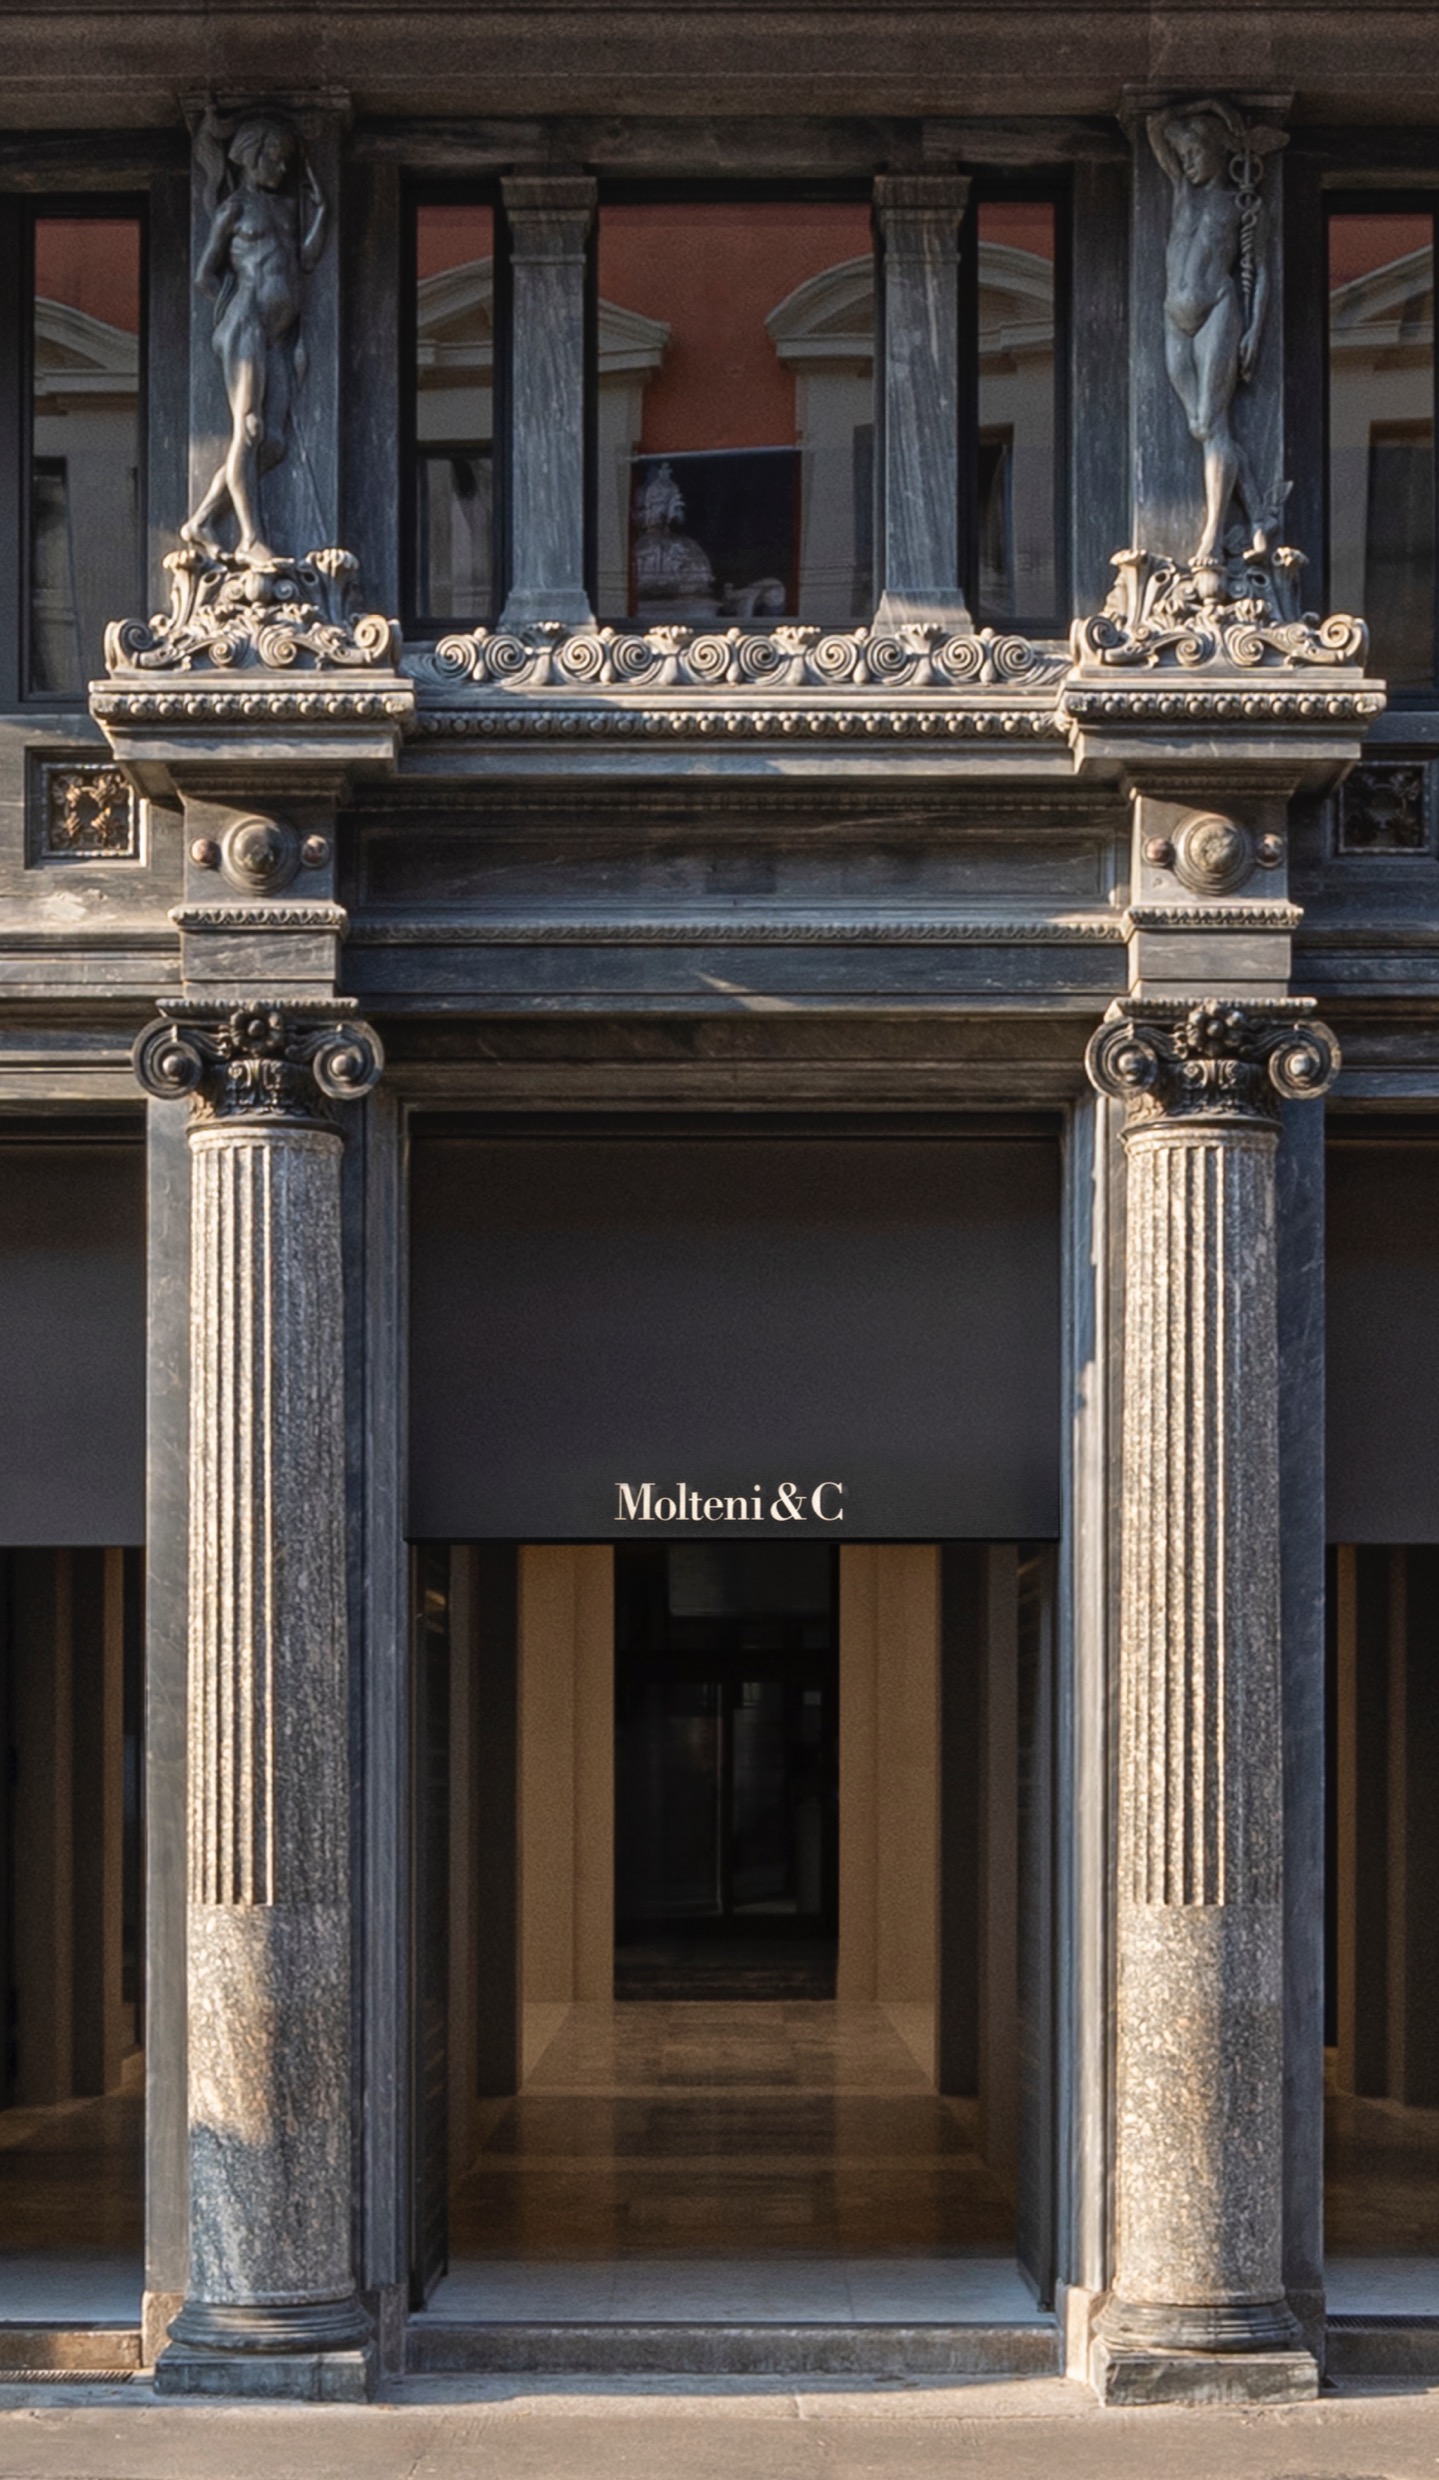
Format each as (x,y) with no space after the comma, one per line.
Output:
(1381,435)
(1017,568)
(735,412)
(454,412)
(85,551)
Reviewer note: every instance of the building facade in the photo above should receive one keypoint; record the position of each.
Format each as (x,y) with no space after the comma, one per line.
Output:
(668,1045)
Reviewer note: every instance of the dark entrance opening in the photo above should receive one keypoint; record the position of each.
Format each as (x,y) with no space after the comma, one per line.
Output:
(726,1771)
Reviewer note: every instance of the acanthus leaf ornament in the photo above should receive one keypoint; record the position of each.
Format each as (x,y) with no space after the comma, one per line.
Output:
(1216,1061)
(266,1061)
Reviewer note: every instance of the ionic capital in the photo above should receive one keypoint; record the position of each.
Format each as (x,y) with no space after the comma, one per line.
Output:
(267,1062)
(1217,1062)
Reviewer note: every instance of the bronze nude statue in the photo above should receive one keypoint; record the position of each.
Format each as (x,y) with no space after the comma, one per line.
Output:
(267,232)
(1216,296)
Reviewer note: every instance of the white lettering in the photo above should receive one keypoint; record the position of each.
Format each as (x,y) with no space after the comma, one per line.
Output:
(713,1509)
(736,1510)
(817,1497)
(666,1511)
(634,1504)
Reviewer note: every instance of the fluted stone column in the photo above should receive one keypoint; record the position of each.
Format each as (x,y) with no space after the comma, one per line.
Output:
(1197,2309)
(271,2305)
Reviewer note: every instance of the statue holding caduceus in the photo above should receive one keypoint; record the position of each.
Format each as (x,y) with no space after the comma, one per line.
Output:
(1216,297)
(267,231)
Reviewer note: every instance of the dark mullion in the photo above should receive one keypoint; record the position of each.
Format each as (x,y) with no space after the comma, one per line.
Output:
(1434,458)
(968,408)
(15,257)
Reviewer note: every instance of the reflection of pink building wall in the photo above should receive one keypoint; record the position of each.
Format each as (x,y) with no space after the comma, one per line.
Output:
(713,273)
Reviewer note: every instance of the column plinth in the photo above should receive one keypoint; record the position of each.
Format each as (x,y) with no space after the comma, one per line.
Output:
(271,2305)
(1197,2309)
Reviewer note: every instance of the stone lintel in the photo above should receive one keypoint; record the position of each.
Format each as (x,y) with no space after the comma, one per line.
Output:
(1129,2377)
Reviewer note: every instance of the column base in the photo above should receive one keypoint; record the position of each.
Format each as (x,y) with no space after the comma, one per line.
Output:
(279,2376)
(1124,2373)
(529,607)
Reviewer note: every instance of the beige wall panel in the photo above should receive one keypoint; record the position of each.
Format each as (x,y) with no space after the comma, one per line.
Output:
(566,1629)
(889,1783)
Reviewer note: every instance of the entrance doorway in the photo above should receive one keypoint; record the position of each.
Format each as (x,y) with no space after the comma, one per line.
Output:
(726,1772)
(71,1915)
(732,1928)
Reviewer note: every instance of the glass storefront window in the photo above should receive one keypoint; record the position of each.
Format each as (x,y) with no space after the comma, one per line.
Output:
(1381,435)
(735,412)
(454,413)
(85,521)
(1015,551)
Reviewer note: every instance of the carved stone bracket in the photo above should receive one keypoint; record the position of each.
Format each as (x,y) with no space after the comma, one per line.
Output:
(267,1060)
(1215,1062)
(1242,615)
(278,615)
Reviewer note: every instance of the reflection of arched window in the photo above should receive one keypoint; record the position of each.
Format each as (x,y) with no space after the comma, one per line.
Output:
(1381,434)
(84,511)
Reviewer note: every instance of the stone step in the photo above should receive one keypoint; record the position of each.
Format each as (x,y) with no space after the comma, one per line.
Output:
(437,2345)
(1370,2345)
(49,2349)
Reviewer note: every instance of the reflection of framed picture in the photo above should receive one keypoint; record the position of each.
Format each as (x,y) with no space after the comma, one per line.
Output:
(997,597)
(715,534)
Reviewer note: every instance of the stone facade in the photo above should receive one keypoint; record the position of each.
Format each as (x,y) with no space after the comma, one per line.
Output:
(914,864)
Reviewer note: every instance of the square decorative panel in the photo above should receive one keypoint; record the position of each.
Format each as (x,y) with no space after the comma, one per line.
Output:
(81,809)
(1386,806)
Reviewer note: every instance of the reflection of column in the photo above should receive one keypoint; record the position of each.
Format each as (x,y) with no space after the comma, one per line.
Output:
(1198,2305)
(918,478)
(271,2304)
(549,221)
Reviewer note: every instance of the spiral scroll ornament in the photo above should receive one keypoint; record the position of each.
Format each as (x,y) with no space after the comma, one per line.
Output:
(266,1062)
(1220,1061)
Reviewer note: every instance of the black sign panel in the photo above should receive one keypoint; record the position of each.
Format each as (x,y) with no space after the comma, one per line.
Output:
(72,1343)
(1382,1381)
(848,1338)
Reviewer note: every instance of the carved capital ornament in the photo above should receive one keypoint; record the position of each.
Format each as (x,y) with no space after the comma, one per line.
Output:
(1215,1063)
(264,1063)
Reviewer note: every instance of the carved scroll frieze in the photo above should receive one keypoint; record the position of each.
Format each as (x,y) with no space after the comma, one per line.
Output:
(266,1061)
(1218,1061)
(792,656)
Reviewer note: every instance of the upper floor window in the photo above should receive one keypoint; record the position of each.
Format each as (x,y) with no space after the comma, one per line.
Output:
(1381,431)
(734,410)
(84,518)
(452,532)
(1008,347)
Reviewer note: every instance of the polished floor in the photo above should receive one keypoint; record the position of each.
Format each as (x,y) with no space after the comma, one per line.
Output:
(72,2209)
(1381,2178)
(763,2161)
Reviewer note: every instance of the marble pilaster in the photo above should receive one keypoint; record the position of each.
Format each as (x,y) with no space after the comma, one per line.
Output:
(918,217)
(271,2304)
(1198,2310)
(549,219)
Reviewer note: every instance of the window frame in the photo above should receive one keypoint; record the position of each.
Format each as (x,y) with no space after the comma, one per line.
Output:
(1054,190)
(426,627)
(1355,197)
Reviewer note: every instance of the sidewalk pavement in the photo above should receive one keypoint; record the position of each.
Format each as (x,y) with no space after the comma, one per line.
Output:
(691,2429)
